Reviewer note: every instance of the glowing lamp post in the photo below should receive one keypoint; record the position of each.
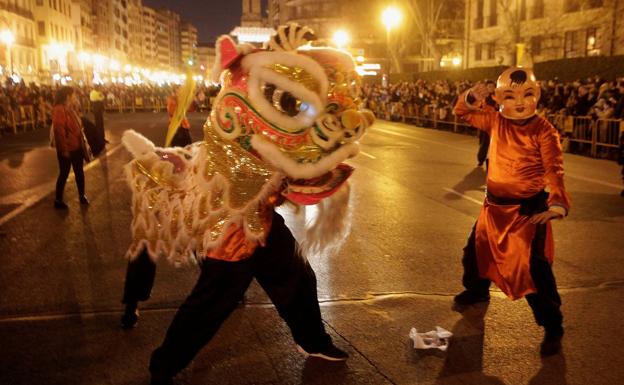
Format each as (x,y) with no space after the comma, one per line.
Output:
(341,38)
(391,17)
(7,38)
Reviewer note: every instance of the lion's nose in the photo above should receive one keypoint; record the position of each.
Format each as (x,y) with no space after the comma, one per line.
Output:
(350,119)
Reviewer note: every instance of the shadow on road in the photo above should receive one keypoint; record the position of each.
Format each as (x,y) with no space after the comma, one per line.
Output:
(465,353)
(552,372)
(473,181)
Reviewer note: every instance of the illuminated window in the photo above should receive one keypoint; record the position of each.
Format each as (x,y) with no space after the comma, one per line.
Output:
(591,43)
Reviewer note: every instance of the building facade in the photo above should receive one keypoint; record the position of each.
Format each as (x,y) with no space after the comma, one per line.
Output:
(110,28)
(168,49)
(252,14)
(188,43)
(497,30)
(148,36)
(82,40)
(135,33)
(56,37)
(206,54)
(20,54)
(367,35)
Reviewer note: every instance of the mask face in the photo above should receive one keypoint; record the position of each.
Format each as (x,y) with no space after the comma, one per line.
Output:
(517,93)
(297,108)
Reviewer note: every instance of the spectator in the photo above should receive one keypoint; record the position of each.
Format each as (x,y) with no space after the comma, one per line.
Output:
(618,112)
(182,136)
(70,148)
(96,97)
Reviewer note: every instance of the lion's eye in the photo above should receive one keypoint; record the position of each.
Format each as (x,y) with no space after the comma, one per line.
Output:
(283,101)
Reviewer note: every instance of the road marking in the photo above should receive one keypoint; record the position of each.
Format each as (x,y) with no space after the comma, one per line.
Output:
(471,199)
(39,192)
(420,139)
(573,176)
(367,154)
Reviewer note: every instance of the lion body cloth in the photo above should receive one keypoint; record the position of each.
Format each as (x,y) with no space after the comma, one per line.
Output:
(285,120)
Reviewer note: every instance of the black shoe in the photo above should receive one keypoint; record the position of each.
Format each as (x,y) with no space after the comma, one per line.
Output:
(84,200)
(60,205)
(480,164)
(468,297)
(130,317)
(161,379)
(551,344)
(330,353)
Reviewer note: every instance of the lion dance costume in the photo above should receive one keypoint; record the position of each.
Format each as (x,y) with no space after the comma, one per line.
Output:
(506,246)
(285,120)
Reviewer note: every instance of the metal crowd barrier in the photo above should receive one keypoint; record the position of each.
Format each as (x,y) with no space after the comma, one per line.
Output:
(135,104)
(439,118)
(598,134)
(23,118)
(595,137)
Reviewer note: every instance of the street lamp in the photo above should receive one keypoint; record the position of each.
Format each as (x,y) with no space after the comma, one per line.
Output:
(7,38)
(390,17)
(341,38)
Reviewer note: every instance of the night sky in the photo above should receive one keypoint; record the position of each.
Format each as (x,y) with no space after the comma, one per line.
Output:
(211,17)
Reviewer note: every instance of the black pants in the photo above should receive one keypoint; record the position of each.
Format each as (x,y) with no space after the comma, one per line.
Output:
(98,115)
(74,161)
(545,303)
(181,138)
(286,277)
(484,145)
(140,275)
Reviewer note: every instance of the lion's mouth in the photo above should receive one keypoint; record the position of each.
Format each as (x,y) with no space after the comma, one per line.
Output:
(311,191)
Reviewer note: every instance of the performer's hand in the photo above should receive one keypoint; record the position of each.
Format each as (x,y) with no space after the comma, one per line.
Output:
(65,154)
(479,92)
(544,217)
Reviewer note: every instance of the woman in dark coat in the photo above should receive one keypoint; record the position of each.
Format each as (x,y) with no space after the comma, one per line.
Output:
(69,144)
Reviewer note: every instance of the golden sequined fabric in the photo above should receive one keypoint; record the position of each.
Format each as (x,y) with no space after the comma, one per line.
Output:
(214,206)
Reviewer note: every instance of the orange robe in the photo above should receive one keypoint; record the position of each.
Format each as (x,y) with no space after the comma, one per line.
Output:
(523,160)
(172,104)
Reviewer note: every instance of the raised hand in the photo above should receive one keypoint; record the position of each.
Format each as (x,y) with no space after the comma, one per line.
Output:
(479,92)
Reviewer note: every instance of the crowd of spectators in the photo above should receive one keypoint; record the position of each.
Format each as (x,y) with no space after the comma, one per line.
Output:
(426,103)
(19,101)
(588,113)
(595,97)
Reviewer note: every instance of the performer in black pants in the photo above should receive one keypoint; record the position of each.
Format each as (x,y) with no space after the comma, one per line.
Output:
(545,302)
(140,275)
(282,272)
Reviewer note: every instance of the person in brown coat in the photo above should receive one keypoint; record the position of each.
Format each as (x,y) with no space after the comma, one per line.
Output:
(69,144)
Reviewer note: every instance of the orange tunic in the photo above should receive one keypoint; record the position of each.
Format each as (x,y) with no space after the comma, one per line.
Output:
(172,104)
(524,160)
(235,246)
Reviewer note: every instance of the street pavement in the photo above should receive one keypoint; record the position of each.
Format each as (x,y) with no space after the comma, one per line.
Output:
(415,195)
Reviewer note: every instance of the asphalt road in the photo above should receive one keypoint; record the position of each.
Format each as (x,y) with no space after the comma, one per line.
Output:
(416,194)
